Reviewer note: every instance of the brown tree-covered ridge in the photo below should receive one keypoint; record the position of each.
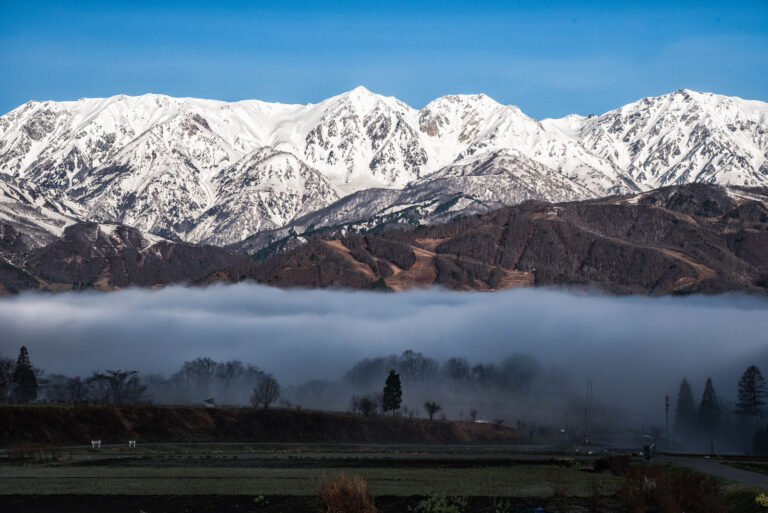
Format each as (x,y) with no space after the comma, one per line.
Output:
(676,240)
(682,239)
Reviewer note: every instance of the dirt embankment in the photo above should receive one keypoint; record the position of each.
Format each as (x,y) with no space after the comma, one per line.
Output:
(75,425)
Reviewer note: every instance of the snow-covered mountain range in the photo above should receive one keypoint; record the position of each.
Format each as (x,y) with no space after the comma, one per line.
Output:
(207,171)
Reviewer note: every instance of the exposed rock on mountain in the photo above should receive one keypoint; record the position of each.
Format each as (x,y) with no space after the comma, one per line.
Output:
(265,190)
(478,185)
(683,137)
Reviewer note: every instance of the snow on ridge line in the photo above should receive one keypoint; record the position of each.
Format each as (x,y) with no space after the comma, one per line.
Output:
(362,90)
(151,161)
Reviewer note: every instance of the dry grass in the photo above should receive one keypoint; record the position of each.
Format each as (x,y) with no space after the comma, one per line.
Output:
(340,494)
(78,424)
(669,490)
(594,496)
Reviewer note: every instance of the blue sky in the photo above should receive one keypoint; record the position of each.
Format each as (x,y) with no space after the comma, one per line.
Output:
(549,58)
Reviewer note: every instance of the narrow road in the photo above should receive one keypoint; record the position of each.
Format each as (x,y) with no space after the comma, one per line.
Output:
(718,468)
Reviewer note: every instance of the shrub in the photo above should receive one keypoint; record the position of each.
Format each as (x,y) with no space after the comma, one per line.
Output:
(651,487)
(618,465)
(439,503)
(340,494)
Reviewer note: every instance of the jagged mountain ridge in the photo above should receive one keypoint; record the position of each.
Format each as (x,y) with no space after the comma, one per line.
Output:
(470,186)
(216,172)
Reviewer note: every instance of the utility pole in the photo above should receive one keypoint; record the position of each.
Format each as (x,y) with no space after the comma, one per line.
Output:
(666,411)
(587,404)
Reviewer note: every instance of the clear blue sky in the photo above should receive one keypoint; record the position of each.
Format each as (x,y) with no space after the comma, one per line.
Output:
(549,58)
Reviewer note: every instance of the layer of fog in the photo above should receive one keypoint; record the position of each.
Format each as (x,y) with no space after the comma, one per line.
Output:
(634,349)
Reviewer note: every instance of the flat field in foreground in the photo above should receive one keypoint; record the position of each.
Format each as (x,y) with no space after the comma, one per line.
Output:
(526,480)
(172,479)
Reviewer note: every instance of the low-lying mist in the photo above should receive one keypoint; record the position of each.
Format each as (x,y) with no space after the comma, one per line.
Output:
(635,349)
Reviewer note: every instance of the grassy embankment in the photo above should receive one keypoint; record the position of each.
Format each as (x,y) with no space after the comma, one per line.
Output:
(78,424)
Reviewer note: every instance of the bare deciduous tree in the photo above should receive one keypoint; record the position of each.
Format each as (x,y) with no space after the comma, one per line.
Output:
(367,406)
(266,392)
(431,407)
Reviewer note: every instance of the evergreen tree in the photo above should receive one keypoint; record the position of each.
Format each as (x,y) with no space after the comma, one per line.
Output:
(685,411)
(24,380)
(709,409)
(393,393)
(751,400)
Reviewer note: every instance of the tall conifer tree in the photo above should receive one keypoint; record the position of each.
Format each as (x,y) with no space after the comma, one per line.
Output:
(709,410)
(685,412)
(393,393)
(751,399)
(24,380)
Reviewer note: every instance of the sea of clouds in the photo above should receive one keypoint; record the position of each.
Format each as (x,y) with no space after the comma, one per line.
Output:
(635,349)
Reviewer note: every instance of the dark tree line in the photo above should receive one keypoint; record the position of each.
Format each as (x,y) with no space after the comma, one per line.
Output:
(201,379)
(515,373)
(712,420)
(197,381)
(104,387)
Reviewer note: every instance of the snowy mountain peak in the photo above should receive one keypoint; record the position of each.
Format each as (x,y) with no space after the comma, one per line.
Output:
(684,137)
(208,170)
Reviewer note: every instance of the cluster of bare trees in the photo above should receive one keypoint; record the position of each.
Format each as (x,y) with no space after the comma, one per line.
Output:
(451,388)
(366,405)
(228,382)
(109,387)
(206,380)
(197,381)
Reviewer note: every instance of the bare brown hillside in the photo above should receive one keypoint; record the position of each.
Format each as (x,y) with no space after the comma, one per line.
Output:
(676,240)
(686,239)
